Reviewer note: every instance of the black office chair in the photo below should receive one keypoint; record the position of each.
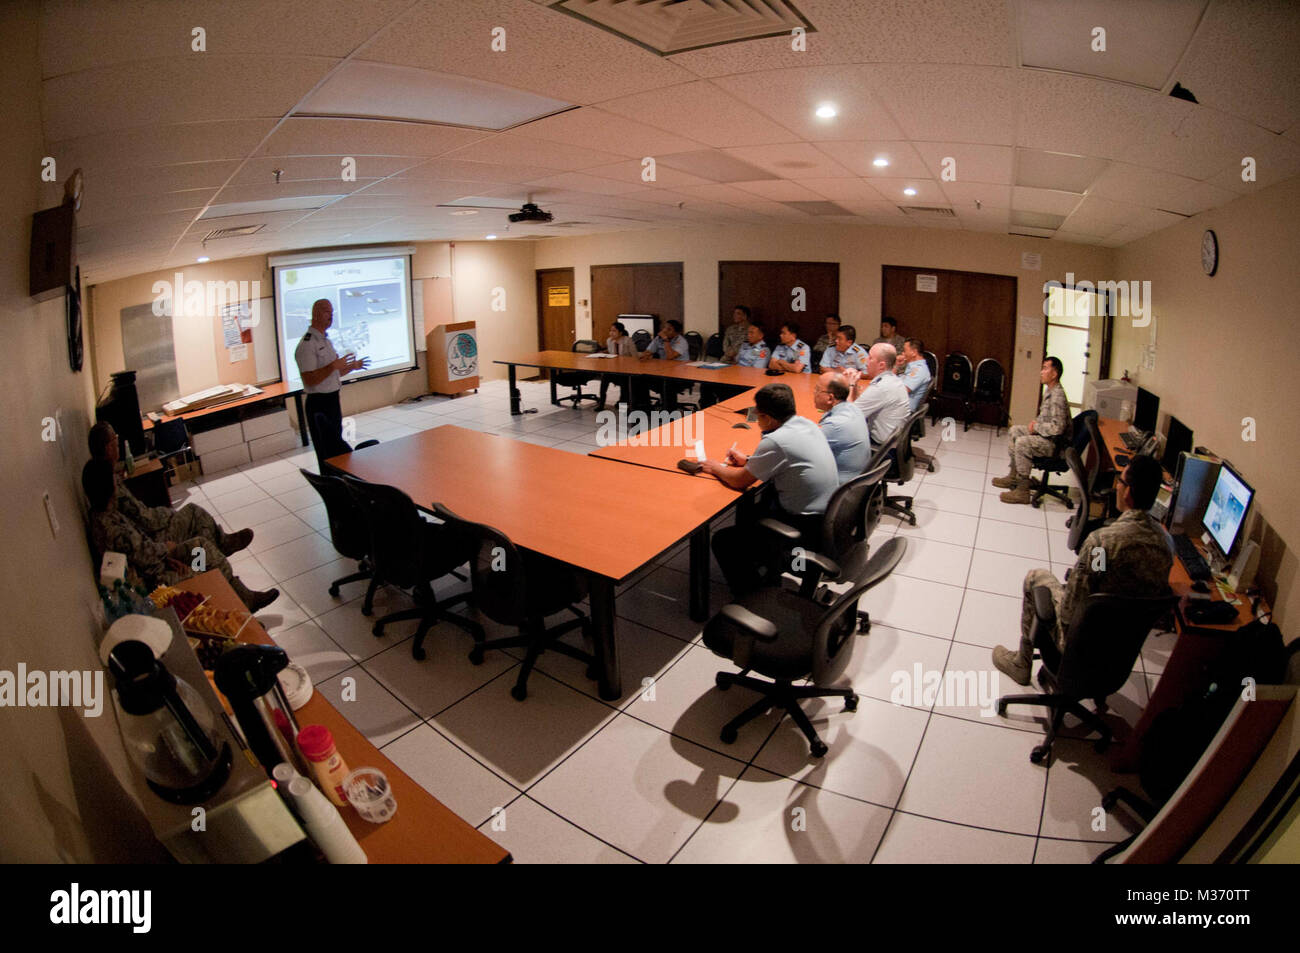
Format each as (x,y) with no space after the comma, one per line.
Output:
(641,339)
(852,513)
(903,468)
(787,636)
(990,393)
(409,552)
(1083,521)
(1102,642)
(575,379)
(1078,439)
(923,457)
(694,344)
(521,589)
(954,388)
(171,439)
(349,533)
(933,363)
(713,347)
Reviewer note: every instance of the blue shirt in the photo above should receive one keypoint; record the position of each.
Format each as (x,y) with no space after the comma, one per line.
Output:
(846,432)
(883,404)
(753,355)
(796,353)
(855,356)
(679,345)
(796,459)
(916,377)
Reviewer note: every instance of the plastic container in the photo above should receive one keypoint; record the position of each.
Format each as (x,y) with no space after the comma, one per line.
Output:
(317,746)
(369,792)
(324,824)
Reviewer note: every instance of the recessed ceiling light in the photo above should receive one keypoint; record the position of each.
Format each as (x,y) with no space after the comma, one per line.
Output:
(466,211)
(201,259)
(826,111)
(490,237)
(880,162)
(909,191)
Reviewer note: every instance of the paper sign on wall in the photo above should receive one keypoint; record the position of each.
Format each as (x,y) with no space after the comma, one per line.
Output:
(230,327)
(1031,260)
(927,283)
(238,353)
(558,297)
(1031,326)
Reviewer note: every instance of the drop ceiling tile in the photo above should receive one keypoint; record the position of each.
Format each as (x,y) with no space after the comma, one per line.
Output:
(726,194)
(703,112)
(1043,200)
(850,189)
(965,194)
(926,102)
(313,136)
(1079,238)
(780,190)
(859,158)
(1084,116)
(790,161)
(1094,214)
(1144,224)
(1198,198)
(460,170)
(598,129)
(661,196)
(285,190)
(545,51)
(630,170)
(973,163)
(1203,144)
(581,182)
(791,97)
(122,183)
(1140,186)
(1057,170)
(986,219)
(305,168)
(511,148)
(164,145)
(927,191)
(1276,160)
(192,88)
(98,208)
(1264,35)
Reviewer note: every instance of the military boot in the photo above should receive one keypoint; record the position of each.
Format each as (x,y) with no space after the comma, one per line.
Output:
(1019,493)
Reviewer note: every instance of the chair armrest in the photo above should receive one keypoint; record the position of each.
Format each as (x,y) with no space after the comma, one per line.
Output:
(753,624)
(824,565)
(784,530)
(883,561)
(1044,607)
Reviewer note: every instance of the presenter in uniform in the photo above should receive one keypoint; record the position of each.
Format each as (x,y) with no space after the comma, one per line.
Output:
(321,369)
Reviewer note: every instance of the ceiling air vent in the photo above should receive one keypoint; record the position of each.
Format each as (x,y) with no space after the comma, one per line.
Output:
(926,211)
(233,232)
(675,26)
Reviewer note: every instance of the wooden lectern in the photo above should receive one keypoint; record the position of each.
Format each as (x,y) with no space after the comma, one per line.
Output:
(452,353)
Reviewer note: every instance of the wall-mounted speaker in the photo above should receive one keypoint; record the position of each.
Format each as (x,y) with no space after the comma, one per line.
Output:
(54,252)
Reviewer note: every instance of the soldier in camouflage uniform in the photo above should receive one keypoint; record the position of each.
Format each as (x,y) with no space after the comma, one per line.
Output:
(157,563)
(1130,557)
(736,334)
(162,522)
(1036,440)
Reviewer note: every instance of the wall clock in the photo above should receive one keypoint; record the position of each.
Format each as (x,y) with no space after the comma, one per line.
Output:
(1209,252)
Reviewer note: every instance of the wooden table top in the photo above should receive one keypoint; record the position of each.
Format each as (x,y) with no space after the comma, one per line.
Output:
(423,831)
(662,446)
(653,367)
(269,392)
(594,514)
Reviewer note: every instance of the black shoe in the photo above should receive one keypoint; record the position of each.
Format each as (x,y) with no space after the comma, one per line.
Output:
(237,541)
(260,600)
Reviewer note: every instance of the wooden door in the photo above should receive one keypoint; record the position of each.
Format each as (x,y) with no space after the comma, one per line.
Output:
(772,290)
(644,288)
(555,326)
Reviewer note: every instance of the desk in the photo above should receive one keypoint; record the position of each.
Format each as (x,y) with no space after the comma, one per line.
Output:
(662,446)
(270,392)
(559,504)
(423,831)
(148,482)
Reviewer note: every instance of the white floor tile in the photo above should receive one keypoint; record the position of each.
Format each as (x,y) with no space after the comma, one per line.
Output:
(950,499)
(309,646)
(921,840)
(1060,547)
(368,707)
(535,835)
(994,509)
(281,615)
(956,459)
(768,819)
(236,498)
(1078,779)
(1066,851)
(643,654)
(444,676)
(298,499)
(972,686)
(297,556)
(470,790)
(1012,539)
(904,603)
(311,589)
(283,484)
(884,663)
(353,631)
(218,484)
(1000,573)
(942,526)
(988,619)
(255,515)
(270,533)
(662,602)
(933,561)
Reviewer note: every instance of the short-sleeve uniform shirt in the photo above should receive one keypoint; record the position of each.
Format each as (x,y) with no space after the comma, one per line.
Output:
(884,405)
(834,359)
(796,353)
(797,460)
(846,432)
(681,349)
(916,378)
(313,352)
(753,355)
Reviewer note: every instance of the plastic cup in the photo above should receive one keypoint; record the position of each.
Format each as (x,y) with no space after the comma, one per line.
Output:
(369,793)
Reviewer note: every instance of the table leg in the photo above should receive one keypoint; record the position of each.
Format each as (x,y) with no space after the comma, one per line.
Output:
(555,397)
(514,391)
(602,637)
(302,418)
(699,602)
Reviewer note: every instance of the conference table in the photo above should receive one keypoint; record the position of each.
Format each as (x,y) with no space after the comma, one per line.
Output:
(604,518)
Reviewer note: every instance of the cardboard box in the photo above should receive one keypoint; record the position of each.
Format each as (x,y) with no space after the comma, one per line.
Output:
(219,439)
(266,424)
(272,444)
(226,458)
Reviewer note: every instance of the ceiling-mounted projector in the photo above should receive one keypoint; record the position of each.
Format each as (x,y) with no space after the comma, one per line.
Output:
(530,213)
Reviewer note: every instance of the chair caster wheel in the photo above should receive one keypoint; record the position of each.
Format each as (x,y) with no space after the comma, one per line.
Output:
(728,735)
(1002,708)
(334,591)
(377,630)
(367,610)
(417,654)
(1039,754)
(723,683)
(1036,503)
(519,692)
(818,749)
(851,703)
(476,656)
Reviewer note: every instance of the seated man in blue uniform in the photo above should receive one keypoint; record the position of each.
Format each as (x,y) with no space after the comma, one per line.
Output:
(791,354)
(796,462)
(846,353)
(915,372)
(843,424)
(754,352)
(669,345)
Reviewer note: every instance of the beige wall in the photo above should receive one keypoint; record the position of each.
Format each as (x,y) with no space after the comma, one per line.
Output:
(1248,310)
(860,251)
(57,773)
(478,267)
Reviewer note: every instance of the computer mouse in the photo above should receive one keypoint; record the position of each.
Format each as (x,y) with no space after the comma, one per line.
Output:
(1200,586)
(1121,460)
(773,372)
(689,465)
(740,426)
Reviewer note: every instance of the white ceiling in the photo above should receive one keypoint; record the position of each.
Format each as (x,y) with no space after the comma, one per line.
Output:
(1085,140)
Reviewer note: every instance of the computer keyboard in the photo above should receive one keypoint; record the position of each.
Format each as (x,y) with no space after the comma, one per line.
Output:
(1191,558)
(1132,440)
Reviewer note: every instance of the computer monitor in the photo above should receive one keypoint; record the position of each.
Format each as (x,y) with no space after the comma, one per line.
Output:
(1225,514)
(1148,408)
(1178,440)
